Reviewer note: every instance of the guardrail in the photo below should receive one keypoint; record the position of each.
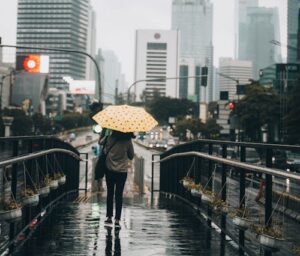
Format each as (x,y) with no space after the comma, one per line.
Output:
(208,167)
(26,166)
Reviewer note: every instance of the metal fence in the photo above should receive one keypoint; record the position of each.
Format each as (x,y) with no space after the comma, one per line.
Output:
(259,188)
(139,173)
(34,173)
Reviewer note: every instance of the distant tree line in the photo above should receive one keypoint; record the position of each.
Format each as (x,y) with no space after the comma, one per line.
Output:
(261,107)
(37,124)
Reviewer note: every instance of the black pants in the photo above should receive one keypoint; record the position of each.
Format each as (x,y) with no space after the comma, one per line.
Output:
(115,182)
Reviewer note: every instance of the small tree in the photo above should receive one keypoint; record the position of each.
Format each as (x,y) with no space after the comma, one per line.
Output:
(194,125)
(292,118)
(22,125)
(41,124)
(259,107)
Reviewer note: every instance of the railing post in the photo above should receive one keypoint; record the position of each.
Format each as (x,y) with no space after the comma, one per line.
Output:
(223,197)
(152,175)
(268,194)
(14,179)
(210,173)
(242,198)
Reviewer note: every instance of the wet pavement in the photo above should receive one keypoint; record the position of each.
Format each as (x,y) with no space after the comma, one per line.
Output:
(160,227)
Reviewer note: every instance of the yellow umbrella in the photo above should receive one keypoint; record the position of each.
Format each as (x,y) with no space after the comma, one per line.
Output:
(125,118)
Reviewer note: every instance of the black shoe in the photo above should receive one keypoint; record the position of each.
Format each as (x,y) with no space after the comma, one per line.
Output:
(117,225)
(108,222)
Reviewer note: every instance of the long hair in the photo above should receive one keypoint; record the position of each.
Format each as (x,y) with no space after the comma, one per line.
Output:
(122,135)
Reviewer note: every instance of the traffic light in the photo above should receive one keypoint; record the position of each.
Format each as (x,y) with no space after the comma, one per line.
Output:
(204,72)
(33,63)
(231,105)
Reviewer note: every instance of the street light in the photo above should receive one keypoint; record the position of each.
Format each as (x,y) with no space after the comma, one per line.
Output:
(62,50)
(158,80)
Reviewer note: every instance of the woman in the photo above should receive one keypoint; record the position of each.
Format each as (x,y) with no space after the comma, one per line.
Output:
(119,149)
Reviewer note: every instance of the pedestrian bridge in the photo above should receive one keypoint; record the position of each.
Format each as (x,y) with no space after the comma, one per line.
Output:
(201,202)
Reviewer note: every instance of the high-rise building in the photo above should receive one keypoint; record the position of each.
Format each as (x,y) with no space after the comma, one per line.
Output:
(194,20)
(231,74)
(156,57)
(111,73)
(241,7)
(55,24)
(91,45)
(293,15)
(261,27)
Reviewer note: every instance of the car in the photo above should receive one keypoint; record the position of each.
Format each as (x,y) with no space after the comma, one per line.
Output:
(293,161)
(88,137)
(279,159)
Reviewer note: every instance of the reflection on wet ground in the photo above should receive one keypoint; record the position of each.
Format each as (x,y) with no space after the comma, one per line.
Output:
(163,227)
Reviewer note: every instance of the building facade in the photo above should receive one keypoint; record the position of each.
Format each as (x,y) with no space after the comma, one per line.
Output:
(112,76)
(232,73)
(241,7)
(262,26)
(156,57)
(293,28)
(55,24)
(194,20)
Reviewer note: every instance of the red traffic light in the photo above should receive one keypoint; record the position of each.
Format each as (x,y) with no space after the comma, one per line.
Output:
(231,105)
(32,63)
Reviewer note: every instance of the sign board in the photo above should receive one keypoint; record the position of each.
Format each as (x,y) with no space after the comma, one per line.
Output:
(33,63)
(83,87)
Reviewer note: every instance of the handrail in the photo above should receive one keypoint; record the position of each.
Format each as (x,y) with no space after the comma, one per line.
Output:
(233,143)
(250,167)
(38,154)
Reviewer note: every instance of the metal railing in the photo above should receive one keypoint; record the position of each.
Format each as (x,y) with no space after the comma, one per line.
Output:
(25,162)
(139,173)
(204,160)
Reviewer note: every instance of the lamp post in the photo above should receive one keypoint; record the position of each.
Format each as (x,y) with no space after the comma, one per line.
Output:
(158,80)
(63,50)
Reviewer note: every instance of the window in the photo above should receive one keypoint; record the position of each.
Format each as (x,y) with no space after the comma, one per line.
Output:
(156,46)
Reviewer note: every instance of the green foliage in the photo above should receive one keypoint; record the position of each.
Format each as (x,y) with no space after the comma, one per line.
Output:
(74,120)
(42,124)
(194,125)
(211,129)
(259,107)
(22,126)
(292,118)
(164,107)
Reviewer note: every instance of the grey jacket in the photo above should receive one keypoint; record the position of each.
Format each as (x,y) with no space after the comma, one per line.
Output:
(118,155)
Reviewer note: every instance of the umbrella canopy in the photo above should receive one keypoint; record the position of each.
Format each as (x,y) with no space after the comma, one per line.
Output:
(125,118)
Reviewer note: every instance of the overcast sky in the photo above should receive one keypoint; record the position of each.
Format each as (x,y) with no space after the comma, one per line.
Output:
(117,21)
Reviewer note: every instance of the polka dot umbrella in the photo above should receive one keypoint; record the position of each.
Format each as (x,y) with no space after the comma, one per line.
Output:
(125,118)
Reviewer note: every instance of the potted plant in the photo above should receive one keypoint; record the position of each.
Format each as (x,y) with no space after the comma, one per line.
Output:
(54,181)
(220,205)
(240,218)
(44,187)
(30,197)
(187,181)
(196,190)
(11,211)
(62,178)
(207,196)
(269,236)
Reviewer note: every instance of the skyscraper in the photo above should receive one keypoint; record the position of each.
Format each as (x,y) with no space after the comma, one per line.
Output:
(194,20)
(293,30)
(55,24)
(241,26)
(111,73)
(156,57)
(262,26)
